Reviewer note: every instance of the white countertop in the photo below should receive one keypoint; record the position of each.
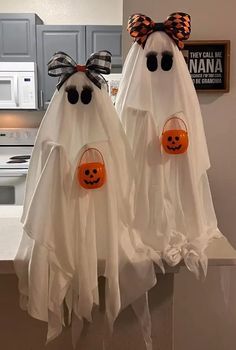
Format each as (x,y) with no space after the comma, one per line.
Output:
(220,252)
(10,211)
(10,235)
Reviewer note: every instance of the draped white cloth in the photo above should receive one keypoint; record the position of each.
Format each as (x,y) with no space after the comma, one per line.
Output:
(73,235)
(174,212)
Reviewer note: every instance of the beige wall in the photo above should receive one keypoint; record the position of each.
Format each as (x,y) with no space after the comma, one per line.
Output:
(204,320)
(69,11)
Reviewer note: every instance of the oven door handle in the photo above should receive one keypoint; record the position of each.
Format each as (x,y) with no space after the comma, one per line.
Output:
(13,173)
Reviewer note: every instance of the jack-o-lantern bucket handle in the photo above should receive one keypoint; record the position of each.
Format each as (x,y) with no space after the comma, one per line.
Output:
(171,118)
(91,149)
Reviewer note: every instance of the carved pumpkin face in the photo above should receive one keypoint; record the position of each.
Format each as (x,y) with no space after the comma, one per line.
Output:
(175,141)
(91,175)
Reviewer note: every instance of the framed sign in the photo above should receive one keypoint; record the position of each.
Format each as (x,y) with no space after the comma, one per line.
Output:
(208,63)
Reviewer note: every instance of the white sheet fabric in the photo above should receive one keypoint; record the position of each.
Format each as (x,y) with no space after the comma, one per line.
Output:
(174,213)
(73,235)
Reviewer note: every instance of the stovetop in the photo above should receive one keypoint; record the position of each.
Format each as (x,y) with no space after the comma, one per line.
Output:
(15,157)
(16,146)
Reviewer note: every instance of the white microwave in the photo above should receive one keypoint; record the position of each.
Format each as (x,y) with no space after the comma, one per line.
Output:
(18,85)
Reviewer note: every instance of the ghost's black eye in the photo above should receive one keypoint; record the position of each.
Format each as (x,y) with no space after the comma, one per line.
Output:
(166,61)
(152,61)
(86,95)
(72,94)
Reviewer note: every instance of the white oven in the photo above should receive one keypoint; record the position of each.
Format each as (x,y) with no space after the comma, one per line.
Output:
(12,187)
(16,146)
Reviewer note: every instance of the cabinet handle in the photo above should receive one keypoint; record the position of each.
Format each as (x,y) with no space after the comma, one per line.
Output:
(41,98)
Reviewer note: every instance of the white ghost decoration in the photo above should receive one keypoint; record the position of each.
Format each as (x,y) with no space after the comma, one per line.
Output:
(174,213)
(73,234)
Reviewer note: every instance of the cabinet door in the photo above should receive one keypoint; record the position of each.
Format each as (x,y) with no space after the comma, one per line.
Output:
(18,37)
(106,38)
(50,39)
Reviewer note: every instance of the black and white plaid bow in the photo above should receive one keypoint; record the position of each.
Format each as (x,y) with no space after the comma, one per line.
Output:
(63,66)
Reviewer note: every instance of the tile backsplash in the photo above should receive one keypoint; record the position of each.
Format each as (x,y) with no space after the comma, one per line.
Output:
(20,119)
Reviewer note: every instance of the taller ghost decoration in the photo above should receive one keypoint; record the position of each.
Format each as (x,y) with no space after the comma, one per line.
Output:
(174,213)
(73,234)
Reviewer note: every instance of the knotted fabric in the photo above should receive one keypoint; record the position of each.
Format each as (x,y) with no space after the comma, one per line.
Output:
(63,66)
(177,26)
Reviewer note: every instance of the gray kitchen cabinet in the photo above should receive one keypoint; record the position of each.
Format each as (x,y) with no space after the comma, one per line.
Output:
(18,36)
(50,39)
(99,37)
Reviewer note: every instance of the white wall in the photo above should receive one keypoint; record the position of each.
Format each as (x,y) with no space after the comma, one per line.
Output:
(69,11)
(205,317)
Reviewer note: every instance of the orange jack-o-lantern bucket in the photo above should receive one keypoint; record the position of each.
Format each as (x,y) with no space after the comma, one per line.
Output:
(175,140)
(91,175)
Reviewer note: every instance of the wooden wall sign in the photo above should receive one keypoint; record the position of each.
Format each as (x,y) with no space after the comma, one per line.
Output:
(208,63)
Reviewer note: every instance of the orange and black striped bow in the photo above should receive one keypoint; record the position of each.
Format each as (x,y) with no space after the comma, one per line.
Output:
(177,26)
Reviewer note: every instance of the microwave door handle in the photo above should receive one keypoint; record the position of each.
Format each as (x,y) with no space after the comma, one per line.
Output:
(16,91)
(41,98)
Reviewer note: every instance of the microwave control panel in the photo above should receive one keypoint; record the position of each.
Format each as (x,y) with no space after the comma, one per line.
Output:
(26,90)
